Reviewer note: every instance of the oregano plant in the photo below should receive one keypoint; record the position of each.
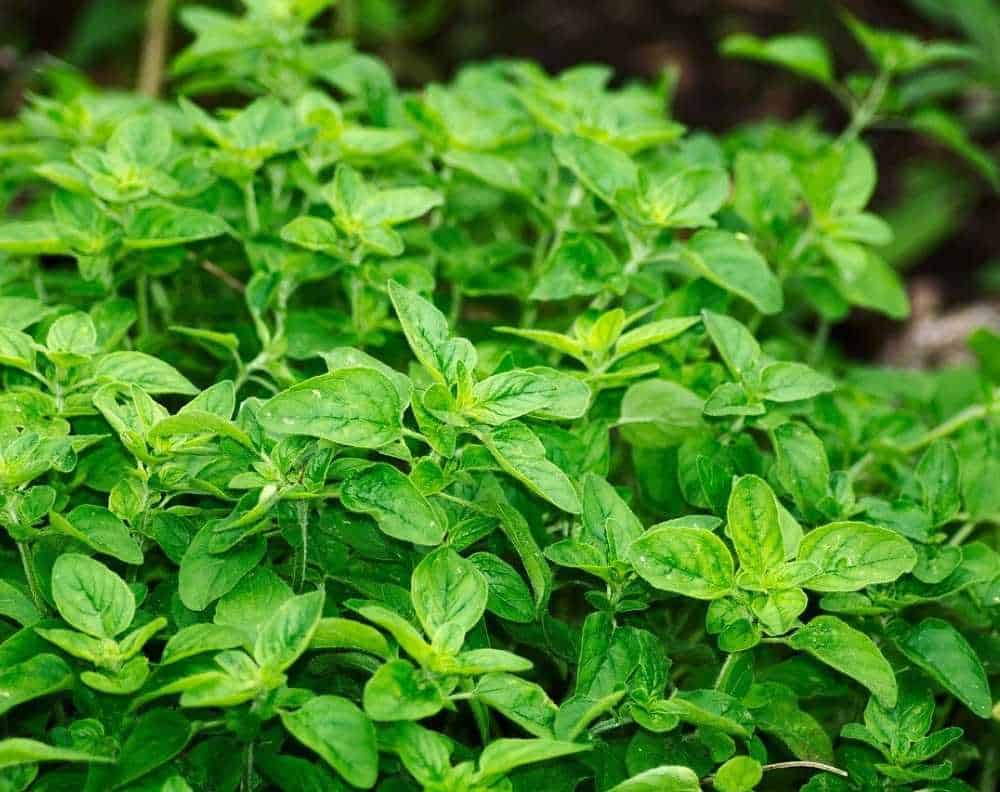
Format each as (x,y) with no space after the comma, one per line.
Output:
(484,437)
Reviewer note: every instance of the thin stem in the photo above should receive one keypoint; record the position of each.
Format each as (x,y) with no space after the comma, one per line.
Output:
(142,302)
(154,48)
(953,424)
(407,432)
(250,203)
(24,550)
(865,113)
(811,765)
(216,271)
(968,415)
(302,553)
(819,342)
(963,533)
(246,782)
(638,251)
(462,696)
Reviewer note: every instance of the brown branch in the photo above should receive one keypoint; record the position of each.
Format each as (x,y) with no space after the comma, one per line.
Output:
(154,48)
(232,282)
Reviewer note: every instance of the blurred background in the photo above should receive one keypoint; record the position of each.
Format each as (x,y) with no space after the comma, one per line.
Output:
(946,217)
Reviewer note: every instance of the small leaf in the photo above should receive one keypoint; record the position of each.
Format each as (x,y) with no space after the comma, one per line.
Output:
(287,634)
(427,332)
(521,454)
(91,597)
(732,262)
(939,649)
(851,652)
(448,590)
(753,525)
(852,555)
(805,55)
(149,373)
(357,407)
(340,733)
(18,751)
(401,512)
(689,561)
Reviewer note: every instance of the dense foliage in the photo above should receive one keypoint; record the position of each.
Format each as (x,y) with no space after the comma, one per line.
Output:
(486,437)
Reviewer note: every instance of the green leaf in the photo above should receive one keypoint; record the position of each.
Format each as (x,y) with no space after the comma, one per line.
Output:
(357,407)
(30,237)
(149,373)
(157,737)
(509,596)
(397,691)
(802,467)
(732,262)
(18,313)
(401,512)
(101,530)
(448,590)
(523,702)
(312,233)
(937,474)
(336,633)
(656,413)
(666,778)
(786,381)
(91,597)
(653,333)
(805,55)
(689,561)
(198,639)
(686,198)
(165,226)
(739,774)
(607,172)
(865,279)
(19,750)
(427,332)
(581,264)
(939,649)
(519,534)
(607,521)
(851,652)
(852,555)
(42,675)
(520,453)
(501,756)
(288,633)
(392,207)
(73,335)
(16,605)
(513,394)
(205,576)
(753,525)
(17,349)
(340,733)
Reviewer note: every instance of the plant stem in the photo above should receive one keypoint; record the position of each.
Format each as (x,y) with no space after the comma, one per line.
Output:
(142,303)
(953,424)
(302,512)
(963,533)
(250,201)
(246,782)
(813,765)
(942,430)
(819,342)
(154,48)
(24,550)
(865,113)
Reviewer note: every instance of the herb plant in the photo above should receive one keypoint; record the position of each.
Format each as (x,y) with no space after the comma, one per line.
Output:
(481,438)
